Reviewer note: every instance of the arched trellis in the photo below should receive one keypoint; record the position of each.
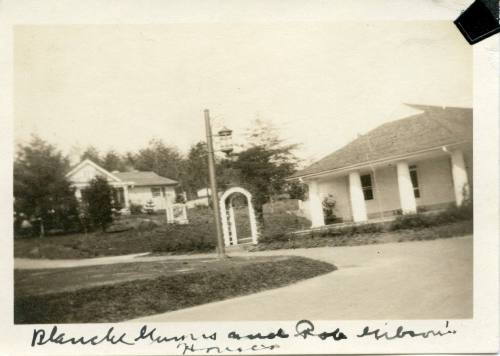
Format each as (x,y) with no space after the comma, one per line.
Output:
(228,220)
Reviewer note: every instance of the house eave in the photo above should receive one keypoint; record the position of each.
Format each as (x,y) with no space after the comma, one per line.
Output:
(368,164)
(113,184)
(157,184)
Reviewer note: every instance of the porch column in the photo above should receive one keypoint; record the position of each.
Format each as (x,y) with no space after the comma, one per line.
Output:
(406,194)
(358,206)
(460,179)
(125,196)
(315,205)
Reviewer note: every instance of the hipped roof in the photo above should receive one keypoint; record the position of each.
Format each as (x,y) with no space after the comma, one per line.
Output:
(434,127)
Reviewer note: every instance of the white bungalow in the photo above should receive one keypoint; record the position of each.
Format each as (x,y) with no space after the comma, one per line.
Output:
(420,162)
(136,187)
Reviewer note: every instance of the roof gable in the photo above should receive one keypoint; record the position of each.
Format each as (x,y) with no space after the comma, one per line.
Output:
(434,127)
(87,170)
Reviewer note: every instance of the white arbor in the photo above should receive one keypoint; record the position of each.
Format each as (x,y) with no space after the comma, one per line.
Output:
(228,219)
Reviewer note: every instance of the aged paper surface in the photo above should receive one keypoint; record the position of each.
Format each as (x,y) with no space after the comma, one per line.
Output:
(118,74)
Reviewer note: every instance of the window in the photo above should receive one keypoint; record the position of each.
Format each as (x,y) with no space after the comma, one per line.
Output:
(156,192)
(414,181)
(366,184)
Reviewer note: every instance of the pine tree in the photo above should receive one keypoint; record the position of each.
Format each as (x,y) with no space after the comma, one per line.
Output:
(99,199)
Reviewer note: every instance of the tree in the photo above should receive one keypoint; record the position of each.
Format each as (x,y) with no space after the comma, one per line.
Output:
(159,158)
(263,133)
(262,174)
(265,163)
(296,190)
(98,197)
(112,161)
(195,175)
(42,193)
(93,154)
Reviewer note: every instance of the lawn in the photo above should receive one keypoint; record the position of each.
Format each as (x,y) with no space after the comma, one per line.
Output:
(451,222)
(145,233)
(324,239)
(132,234)
(111,293)
(150,233)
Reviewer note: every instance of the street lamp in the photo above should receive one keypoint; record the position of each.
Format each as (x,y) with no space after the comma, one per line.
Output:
(226,146)
(226,140)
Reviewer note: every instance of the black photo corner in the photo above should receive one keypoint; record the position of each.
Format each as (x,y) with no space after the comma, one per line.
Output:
(479,21)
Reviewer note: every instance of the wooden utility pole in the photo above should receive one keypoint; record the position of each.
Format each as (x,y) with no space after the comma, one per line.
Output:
(213,187)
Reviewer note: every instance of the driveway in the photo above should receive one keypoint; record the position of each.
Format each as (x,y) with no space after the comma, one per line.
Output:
(410,280)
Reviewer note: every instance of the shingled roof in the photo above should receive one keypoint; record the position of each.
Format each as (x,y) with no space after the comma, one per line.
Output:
(433,128)
(144,178)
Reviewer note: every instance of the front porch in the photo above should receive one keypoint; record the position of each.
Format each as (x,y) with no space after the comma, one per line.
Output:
(380,191)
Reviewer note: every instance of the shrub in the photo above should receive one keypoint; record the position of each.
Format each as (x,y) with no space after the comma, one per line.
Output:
(99,199)
(149,207)
(329,204)
(146,225)
(450,215)
(279,226)
(135,209)
(411,221)
(279,234)
(368,228)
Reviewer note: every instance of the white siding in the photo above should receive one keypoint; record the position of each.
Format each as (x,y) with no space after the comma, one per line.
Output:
(435,182)
(85,174)
(338,187)
(141,195)
(385,192)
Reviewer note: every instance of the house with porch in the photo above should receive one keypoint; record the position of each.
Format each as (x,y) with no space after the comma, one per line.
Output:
(422,162)
(135,187)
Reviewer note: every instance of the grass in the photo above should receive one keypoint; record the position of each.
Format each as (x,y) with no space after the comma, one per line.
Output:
(377,235)
(134,234)
(150,233)
(45,296)
(453,221)
(147,233)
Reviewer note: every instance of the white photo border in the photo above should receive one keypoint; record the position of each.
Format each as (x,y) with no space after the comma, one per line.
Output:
(477,335)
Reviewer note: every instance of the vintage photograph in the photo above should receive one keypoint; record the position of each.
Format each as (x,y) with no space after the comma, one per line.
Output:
(242,171)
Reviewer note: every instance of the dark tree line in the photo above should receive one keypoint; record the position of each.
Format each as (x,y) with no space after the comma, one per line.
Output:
(43,194)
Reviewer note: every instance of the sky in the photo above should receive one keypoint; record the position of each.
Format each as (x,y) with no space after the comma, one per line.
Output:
(320,83)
